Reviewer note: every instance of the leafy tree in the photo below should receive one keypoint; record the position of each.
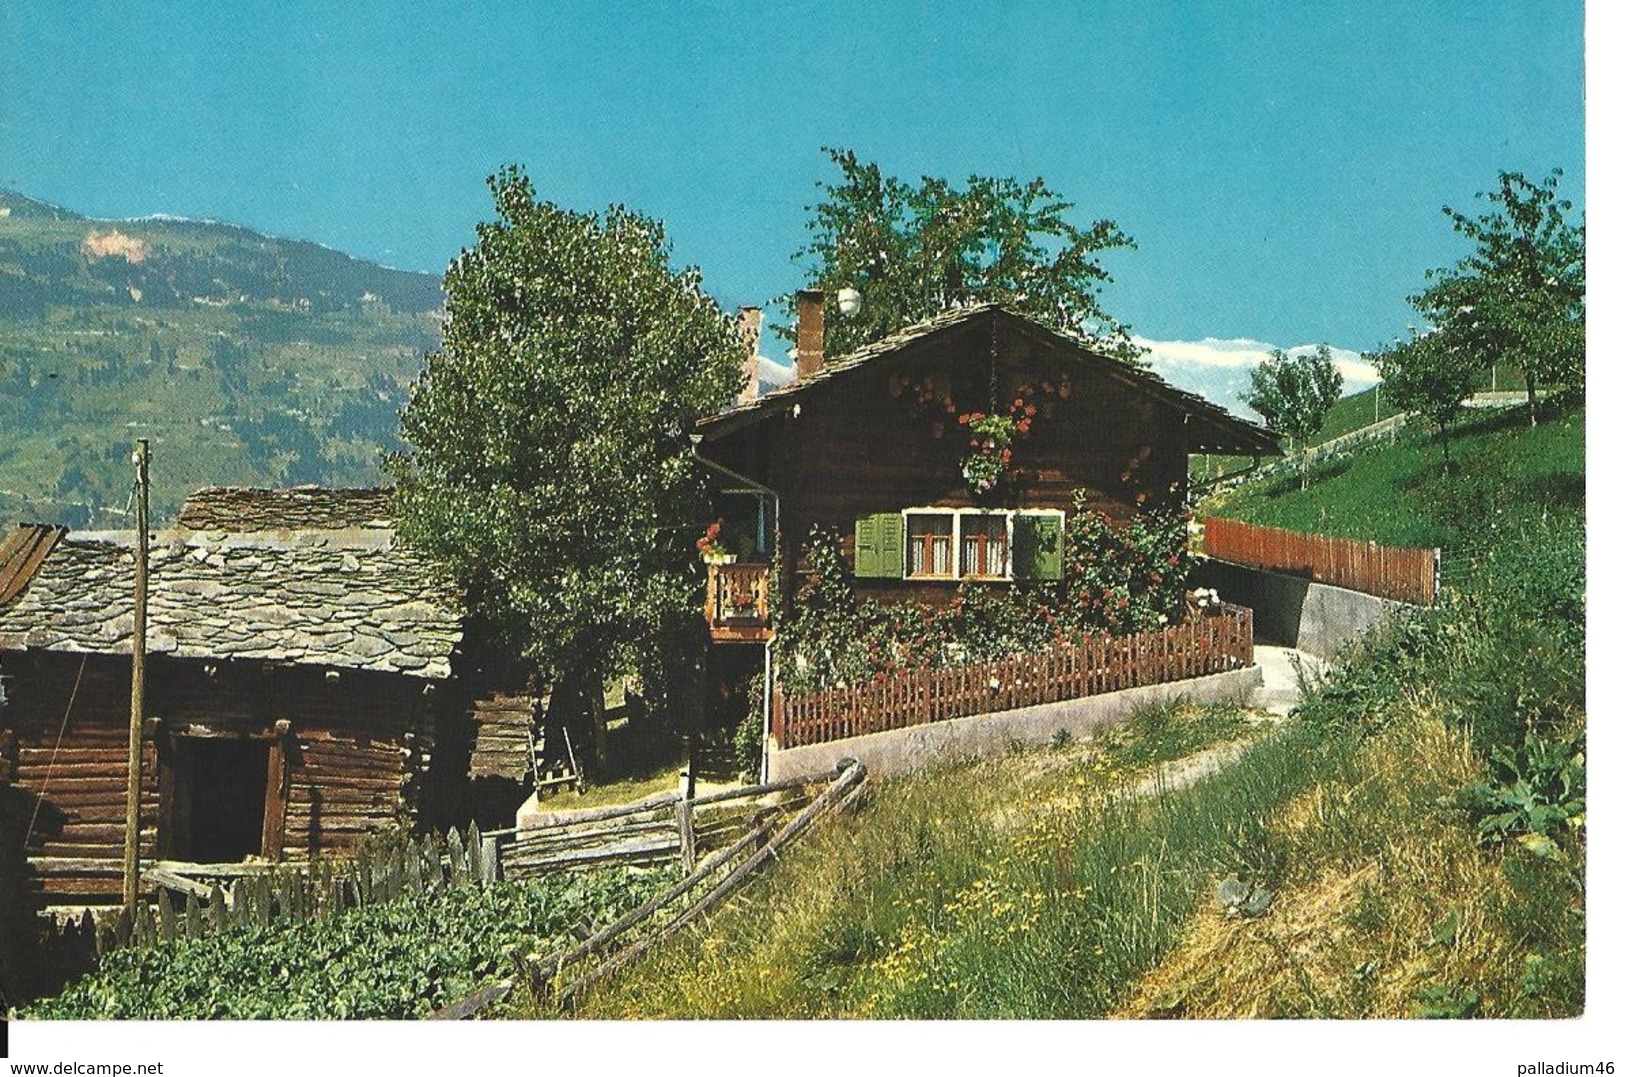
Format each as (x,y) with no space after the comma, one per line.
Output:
(914,251)
(1294,394)
(1520,295)
(549,466)
(1431,375)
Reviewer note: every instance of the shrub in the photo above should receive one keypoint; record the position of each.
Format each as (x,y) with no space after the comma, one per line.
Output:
(747,735)
(1537,789)
(1502,658)
(394,960)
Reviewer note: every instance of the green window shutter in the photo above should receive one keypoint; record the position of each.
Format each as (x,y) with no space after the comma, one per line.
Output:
(878,551)
(1037,547)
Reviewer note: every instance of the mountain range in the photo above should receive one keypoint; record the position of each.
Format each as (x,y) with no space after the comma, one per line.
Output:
(244,359)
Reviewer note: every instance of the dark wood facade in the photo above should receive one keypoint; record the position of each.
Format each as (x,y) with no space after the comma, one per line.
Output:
(880,432)
(240,759)
(308,683)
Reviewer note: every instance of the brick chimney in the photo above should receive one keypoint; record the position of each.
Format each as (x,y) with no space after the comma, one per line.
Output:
(750,331)
(809,332)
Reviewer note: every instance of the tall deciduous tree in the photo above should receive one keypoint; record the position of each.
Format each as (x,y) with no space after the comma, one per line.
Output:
(1520,295)
(1431,375)
(1294,394)
(912,251)
(549,467)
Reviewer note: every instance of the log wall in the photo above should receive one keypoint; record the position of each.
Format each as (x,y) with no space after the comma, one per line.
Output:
(355,751)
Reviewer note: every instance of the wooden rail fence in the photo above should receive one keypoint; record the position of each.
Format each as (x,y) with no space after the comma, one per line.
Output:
(191,900)
(704,834)
(1203,645)
(1397,572)
(657,829)
(744,842)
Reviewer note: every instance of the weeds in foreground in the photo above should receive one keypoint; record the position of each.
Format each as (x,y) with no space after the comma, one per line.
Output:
(952,897)
(1407,919)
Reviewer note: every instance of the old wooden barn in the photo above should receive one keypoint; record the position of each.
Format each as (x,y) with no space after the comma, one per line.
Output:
(308,683)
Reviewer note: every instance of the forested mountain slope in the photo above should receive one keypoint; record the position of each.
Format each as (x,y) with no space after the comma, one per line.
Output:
(245,359)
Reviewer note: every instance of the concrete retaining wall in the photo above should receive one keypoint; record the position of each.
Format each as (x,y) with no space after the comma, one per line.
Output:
(900,751)
(1296,612)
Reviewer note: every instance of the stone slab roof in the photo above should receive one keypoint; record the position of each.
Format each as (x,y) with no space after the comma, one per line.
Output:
(350,597)
(22,552)
(242,508)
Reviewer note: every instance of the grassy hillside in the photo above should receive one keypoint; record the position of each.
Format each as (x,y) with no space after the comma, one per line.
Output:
(1350,414)
(1504,476)
(244,358)
(1410,844)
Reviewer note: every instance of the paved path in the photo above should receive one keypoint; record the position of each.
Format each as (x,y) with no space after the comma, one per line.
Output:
(1279,693)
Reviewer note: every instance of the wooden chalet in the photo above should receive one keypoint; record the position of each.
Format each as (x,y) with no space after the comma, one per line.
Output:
(872,446)
(307,683)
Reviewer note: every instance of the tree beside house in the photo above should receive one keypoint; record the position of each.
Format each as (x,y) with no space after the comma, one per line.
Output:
(549,469)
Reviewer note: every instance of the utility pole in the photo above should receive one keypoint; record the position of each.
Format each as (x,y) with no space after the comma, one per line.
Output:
(138,685)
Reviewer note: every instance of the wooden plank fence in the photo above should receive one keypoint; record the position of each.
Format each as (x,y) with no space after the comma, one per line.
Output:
(1401,573)
(195,900)
(1202,645)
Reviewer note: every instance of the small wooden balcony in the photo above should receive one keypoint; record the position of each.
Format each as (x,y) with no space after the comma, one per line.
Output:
(736,603)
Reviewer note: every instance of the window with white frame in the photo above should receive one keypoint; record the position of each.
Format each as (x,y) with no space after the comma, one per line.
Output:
(975,544)
(984,544)
(930,544)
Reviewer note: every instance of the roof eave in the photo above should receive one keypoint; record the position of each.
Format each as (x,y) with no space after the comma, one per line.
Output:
(1237,435)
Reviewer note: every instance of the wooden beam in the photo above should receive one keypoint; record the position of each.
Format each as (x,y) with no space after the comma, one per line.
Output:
(276,798)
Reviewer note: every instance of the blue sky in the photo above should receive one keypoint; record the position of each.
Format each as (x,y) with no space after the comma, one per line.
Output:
(1281,166)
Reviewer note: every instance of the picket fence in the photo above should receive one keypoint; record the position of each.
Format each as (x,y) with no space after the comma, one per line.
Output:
(1204,644)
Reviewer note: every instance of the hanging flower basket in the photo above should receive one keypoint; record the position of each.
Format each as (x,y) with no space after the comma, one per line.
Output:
(992,440)
(982,472)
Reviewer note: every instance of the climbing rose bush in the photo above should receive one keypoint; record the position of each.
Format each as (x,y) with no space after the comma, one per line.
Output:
(1115,580)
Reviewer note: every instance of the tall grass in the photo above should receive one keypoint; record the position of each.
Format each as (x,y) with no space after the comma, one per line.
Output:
(1031,886)
(1387,907)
